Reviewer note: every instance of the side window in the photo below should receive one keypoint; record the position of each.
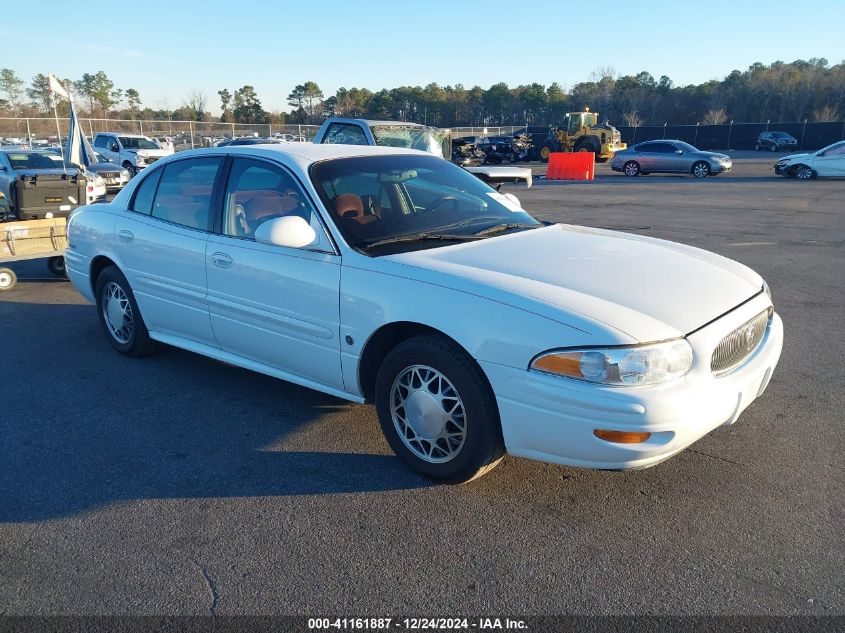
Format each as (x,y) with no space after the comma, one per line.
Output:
(185,192)
(143,202)
(648,148)
(257,192)
(345,134)
(100,141)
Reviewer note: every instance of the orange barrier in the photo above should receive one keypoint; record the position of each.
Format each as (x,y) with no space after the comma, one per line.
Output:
(571,166)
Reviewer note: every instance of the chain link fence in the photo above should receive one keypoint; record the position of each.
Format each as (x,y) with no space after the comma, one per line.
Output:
(184,134)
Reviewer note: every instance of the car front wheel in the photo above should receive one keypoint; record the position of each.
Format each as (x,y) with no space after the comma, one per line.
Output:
(437,411)
(804,172)
(119,314)
(701,169)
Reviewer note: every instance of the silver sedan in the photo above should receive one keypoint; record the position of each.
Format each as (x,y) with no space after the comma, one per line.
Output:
(669,157)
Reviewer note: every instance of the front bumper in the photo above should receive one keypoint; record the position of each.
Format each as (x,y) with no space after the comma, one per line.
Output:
(721,168)
(782,170)
(552,419)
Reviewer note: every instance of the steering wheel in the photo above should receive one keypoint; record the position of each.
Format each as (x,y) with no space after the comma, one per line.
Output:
(442,200)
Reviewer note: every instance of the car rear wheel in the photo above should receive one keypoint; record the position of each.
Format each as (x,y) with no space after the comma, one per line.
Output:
(631,168)
(8,279)
(757,147)
(701,169)
(119,314)
(804,172)
(437,411)
(774,147)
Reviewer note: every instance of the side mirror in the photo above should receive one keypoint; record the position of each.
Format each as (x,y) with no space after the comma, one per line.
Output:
(291,231)
(115,147)
(2,168)
(679,151)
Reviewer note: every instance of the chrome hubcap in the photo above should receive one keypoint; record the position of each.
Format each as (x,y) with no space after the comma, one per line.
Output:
(631,170)
(700,171)
(804,173)
(428,414)
(5,280)
(118,313)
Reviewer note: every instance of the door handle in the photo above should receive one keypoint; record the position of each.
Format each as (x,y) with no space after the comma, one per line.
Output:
(222,260)
(126,237)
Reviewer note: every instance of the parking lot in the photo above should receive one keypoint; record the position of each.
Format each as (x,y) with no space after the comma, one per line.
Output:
(178,485)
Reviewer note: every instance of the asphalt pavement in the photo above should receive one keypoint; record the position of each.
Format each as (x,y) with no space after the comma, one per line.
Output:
(175,484)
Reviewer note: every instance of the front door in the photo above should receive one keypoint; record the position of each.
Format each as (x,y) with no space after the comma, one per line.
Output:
(831,162)
(274,305)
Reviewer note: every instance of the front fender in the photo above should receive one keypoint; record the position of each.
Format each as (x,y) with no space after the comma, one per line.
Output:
(489,330)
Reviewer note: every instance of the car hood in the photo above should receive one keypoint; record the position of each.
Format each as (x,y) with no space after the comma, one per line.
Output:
(646,288)
(151,152)
(791,157)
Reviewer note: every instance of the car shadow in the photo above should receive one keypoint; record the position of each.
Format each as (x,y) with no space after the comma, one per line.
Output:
(83,426)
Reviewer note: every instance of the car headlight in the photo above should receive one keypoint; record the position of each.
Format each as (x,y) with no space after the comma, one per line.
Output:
(99,181)
(124,173)
(619,366)
(140,160)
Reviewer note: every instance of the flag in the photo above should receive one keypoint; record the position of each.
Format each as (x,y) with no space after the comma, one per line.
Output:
(56,86)
(79,152)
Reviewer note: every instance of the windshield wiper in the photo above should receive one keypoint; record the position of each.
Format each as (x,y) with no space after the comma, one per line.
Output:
(419,237)
(505,227)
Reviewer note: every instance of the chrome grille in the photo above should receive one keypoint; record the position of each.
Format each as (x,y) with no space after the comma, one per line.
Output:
(739,344)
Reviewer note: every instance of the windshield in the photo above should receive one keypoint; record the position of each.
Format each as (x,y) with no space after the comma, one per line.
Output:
(34,160)
(780,135)
(133,142)
(428,139)
(378,198)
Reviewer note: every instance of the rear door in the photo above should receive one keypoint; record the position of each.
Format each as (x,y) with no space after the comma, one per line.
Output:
(647,156)
(161,243)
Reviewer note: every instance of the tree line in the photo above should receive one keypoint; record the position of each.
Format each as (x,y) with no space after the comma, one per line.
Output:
(804,89)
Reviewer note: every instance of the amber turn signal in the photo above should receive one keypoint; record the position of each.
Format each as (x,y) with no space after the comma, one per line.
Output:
(621,437)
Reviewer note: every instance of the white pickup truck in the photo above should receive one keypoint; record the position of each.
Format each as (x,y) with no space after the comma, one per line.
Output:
(438,141)
(133,152)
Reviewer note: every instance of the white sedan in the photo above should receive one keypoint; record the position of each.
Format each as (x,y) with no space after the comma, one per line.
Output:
(391,276)
(826,162)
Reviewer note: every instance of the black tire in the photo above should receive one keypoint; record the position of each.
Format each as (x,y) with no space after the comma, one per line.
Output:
(774,147)
(56,265)
(631,168)
(137,342)
(803,172)
(545,151)
(8,279)
(757,147)
(700,169)
(481,445)
(133,171)
(511,157)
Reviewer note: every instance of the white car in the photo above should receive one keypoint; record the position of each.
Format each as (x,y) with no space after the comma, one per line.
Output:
(392,276)
(133,152)
(828,161)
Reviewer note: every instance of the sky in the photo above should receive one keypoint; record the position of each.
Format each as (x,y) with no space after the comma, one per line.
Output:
(165,50)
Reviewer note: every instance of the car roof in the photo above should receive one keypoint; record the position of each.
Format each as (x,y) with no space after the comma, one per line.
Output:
(123,134)
(304,152)
(374,122)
